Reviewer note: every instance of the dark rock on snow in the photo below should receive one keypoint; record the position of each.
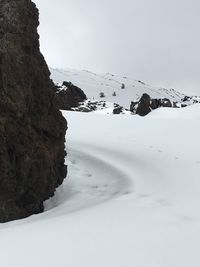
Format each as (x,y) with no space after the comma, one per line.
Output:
(133,106)
(190,100)
(90,105)
(32,130)
(68,96)
(186,98)
(160,102)
(117,109)
(146,104)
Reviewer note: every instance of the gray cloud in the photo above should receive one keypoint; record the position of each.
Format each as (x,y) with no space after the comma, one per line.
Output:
(156,41)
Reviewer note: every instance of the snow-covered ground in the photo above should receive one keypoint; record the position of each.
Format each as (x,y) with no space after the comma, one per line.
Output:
(132,197)
(93,84)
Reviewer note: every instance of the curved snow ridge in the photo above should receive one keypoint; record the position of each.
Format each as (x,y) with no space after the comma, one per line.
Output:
(97,174)
(93,178)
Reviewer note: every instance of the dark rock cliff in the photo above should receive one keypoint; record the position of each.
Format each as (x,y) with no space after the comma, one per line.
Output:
(32,130)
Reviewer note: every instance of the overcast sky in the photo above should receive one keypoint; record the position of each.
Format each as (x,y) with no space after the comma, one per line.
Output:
(157,41)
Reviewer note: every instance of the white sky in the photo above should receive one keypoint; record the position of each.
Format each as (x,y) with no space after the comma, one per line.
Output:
(157,41)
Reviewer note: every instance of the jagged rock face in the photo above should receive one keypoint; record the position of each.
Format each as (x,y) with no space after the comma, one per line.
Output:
(68,96)
(32,130)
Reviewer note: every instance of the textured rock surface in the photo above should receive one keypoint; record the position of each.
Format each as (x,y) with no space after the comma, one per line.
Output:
(144,105)
(32,130)
(69,96)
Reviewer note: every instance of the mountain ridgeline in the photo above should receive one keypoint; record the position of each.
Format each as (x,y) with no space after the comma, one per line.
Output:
(110,93)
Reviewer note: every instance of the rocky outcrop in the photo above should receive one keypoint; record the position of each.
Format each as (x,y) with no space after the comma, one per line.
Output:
(146,104)
(68,96)
(188,101)
(100,106)
(160,102)
(90,106)
(117,109)
(32,130)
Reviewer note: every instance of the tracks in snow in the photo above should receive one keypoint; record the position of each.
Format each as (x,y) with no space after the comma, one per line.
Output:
(94,176)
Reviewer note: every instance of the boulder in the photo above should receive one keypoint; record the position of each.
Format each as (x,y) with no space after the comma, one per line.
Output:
(68,96)
(32,130)
(144,105)
(117,109)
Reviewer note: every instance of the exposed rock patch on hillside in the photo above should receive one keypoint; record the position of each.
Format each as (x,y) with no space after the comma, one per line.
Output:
(32,130)
(188,101)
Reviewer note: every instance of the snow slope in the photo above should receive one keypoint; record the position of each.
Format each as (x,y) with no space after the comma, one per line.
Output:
(131,199)
(92,84)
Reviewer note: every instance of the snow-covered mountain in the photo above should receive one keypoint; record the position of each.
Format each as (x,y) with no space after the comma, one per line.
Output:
(93,84)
